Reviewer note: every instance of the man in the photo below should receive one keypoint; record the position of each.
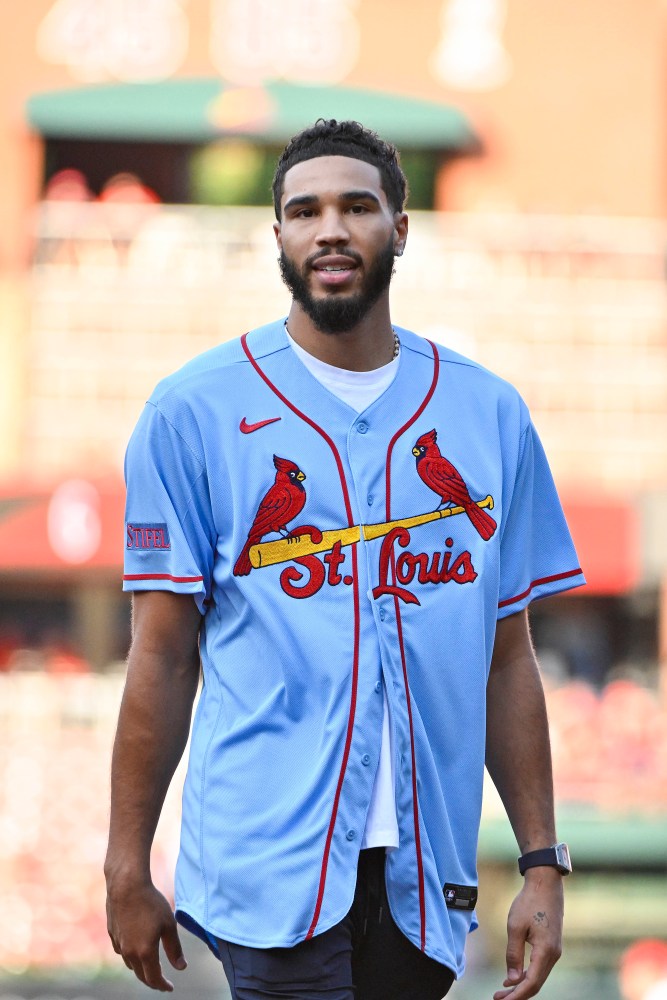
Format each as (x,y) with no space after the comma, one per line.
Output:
(344,524)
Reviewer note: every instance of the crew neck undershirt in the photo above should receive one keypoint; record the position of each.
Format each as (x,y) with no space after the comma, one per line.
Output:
(359,390)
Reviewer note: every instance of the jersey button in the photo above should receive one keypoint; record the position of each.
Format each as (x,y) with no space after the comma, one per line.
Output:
(362,427)
(369,499)
(351,834)
(365,760)
(383,614)
(378,686)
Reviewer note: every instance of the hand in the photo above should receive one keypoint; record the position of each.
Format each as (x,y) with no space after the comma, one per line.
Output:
(536,917)
(138,918)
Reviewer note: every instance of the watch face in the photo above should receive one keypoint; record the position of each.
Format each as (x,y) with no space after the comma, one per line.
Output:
(563,856)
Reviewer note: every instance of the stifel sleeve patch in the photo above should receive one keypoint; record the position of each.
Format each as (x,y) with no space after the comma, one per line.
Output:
(147,536)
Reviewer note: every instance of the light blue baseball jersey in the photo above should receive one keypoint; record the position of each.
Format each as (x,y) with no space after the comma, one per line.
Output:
(329,550)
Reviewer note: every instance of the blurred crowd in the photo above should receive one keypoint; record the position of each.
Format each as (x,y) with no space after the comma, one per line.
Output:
(73,235)
(610,745)
(55,743)
(70,185)
(54,656)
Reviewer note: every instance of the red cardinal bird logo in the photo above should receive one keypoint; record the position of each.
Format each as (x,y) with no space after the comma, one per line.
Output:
(440,476)
(281,504)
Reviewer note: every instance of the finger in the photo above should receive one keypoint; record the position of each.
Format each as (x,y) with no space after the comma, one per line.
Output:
(155,981)
(532,980)
(526,988)
(145,964)
(171,943)
(513,978)
(135,966)
(515,954)
(111,933)
(501,994)
(119,951)
(152,973)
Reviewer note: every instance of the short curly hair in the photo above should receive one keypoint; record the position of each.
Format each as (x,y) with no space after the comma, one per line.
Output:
(328,137)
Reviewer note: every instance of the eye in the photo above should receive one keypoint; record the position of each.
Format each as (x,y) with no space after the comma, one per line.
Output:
(358,209)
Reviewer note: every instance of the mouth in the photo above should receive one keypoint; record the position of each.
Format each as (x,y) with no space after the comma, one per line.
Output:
(333,271)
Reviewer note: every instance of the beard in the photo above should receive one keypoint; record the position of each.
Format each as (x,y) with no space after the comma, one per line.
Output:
(339,312)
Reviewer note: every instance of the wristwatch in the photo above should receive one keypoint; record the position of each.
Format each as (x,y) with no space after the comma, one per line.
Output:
(557,856)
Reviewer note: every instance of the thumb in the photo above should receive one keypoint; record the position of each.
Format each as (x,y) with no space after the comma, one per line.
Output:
(172,946)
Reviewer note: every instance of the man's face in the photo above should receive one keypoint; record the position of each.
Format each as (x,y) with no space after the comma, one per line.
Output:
(337,239)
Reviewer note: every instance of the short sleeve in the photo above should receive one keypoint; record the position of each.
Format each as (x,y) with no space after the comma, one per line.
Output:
(169,533)
(537,555)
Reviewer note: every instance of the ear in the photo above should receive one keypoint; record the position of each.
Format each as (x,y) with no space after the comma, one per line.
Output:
(400,233)
(278,235)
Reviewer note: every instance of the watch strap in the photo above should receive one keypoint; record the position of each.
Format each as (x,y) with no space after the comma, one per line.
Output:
(557,856)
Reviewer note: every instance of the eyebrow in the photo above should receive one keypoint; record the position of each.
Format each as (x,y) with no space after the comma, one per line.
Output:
(300,200)
(361,195)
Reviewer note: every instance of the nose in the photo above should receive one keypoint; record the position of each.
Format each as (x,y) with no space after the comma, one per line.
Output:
(332,229)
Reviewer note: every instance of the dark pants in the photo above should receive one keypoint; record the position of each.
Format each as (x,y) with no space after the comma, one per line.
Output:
(364,957)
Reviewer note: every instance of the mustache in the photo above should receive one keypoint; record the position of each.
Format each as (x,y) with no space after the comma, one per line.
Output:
(331,252)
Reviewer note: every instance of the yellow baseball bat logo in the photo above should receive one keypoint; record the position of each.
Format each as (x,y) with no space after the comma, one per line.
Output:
(285,549)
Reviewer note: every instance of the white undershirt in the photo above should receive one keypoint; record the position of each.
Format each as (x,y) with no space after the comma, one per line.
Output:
(359,390)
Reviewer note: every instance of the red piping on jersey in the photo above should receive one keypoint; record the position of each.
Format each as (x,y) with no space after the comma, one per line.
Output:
(399,626)
(163,576)
(538,583)
(355,664)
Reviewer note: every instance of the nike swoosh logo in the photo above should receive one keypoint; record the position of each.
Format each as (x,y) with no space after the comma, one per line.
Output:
(247,428)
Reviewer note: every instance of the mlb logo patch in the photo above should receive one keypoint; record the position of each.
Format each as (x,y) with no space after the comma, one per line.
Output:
(460,897)
(147,536)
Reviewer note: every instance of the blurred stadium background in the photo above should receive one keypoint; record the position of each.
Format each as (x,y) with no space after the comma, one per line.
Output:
(137,148)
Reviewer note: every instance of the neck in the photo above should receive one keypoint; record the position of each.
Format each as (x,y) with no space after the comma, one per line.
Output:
(363,348)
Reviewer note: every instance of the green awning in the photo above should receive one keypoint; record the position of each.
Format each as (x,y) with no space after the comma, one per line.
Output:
(596,838)
(199,110)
